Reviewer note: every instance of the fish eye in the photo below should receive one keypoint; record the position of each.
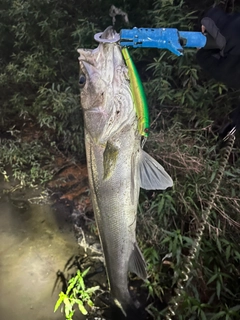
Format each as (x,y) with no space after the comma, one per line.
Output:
(82,80)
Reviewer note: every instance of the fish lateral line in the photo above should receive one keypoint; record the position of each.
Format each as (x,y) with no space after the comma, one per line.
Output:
(139,97)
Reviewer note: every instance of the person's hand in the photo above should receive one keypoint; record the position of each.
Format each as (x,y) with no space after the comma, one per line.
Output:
(223,63)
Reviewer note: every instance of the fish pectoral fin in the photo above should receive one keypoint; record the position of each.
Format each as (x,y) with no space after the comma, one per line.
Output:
(152,175)
(137,263)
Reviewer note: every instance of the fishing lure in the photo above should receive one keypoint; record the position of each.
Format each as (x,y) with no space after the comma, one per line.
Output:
(139,97)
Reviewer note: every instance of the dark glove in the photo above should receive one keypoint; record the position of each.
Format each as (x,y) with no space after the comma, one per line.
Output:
(233,125)
(223,63)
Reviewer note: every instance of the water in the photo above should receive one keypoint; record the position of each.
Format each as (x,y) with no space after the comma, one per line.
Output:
(35,242)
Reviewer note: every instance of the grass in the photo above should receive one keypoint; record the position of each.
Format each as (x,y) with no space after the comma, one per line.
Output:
(168,222)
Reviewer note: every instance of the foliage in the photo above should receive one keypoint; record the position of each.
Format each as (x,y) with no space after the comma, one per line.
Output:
(178,82)
(30,162)
(76,294)
(39,65)
(168,222)
(38,82)
(39,68)
(190,108)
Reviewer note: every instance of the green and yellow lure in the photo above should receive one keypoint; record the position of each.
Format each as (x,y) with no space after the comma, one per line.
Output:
(139,97)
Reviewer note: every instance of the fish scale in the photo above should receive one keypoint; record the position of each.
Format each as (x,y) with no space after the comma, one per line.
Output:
(113,197)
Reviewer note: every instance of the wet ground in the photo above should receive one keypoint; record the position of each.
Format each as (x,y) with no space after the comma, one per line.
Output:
(36,241)
(41,235)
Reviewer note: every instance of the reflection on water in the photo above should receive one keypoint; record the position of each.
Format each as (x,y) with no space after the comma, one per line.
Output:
(35,242)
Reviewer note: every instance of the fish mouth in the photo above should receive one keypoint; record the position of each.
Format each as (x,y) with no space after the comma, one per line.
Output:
(109,35)
(106,56)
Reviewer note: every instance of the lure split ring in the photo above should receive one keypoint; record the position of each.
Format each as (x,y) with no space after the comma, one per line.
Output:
(98,38)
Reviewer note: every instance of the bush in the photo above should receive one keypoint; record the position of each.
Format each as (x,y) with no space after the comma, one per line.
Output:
(39,86)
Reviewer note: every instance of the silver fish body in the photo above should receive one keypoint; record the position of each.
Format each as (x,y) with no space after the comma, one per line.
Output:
(117,165)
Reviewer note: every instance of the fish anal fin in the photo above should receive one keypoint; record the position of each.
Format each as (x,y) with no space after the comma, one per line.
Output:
(137,263)
(152,175)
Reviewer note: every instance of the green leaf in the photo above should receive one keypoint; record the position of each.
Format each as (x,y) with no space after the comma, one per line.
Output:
(90,303)
(228,252)
(180,239)
(82,308)
(85,272)
(81,282)
(203,315)
(218,315)
(212,176)
(214,277)
(72,282)
(92,290)
(160,205)
(68,306)
(60,300)
(218,287)
(235,308)
(167,239)
(219,245)
(237,254)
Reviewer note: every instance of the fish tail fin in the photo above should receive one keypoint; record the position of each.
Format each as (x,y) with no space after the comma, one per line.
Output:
(137,263)
(152,175)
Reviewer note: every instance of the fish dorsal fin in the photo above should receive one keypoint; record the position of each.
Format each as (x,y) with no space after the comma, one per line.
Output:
(152,175)
(137,263)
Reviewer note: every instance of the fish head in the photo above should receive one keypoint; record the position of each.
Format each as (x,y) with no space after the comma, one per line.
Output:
(106,98)
(98,69)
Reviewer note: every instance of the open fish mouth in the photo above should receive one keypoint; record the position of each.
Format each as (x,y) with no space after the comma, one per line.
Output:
(109,35)
(102,63)
(92,56)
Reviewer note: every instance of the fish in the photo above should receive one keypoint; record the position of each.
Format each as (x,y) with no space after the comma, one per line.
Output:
(117,164)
